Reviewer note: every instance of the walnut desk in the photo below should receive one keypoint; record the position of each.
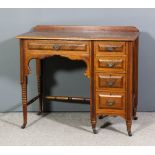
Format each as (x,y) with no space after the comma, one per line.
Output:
(111,56)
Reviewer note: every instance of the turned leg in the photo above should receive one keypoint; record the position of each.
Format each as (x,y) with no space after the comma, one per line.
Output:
(129,123)
(24,102)
(39,84)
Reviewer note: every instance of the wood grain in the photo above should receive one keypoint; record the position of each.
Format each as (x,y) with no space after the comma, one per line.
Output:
(82,33)
(111,57)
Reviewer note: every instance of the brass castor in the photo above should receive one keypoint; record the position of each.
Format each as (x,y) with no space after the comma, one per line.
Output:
(23,126)
(129,133)
(94,131)
(135,118)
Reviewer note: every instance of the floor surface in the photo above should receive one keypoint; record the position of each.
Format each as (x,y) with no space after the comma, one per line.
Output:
(74,129)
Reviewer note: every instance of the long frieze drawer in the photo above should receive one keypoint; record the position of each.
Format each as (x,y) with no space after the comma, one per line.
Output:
(58,45)
(110,64)
(105,100)
(110,81)
(109,47)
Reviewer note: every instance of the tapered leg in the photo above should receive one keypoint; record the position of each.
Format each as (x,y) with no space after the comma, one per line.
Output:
(39,84)
(24,101)
(92,93)
(129,123)
(93,117)
(130,88)
(135,80)
(94,127)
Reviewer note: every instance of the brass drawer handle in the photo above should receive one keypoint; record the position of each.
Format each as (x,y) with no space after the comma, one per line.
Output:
(110,103)
(110,49)
(56,47)
(111,83)
(111,64)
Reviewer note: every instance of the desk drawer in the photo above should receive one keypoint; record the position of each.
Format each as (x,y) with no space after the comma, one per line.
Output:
(58,45)
(109,47)
(105,100)
(110,81)
(111,64)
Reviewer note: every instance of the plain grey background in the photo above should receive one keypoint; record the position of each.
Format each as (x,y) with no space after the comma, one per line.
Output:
(65,77)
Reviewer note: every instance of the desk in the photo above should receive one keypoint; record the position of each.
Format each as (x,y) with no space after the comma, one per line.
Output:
(111,56)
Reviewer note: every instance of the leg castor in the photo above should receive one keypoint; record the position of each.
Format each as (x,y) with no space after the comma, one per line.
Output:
(39,113)
(23,126)
(129,133)
(135,118)
(94,127)
(94,131)
(128,123)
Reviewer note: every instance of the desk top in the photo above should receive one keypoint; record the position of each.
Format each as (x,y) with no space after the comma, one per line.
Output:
(127,33)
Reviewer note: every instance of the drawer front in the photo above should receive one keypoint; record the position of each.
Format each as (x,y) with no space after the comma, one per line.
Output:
(111,64)
(58,45)
(106,100)
(109,48)
(110,81)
